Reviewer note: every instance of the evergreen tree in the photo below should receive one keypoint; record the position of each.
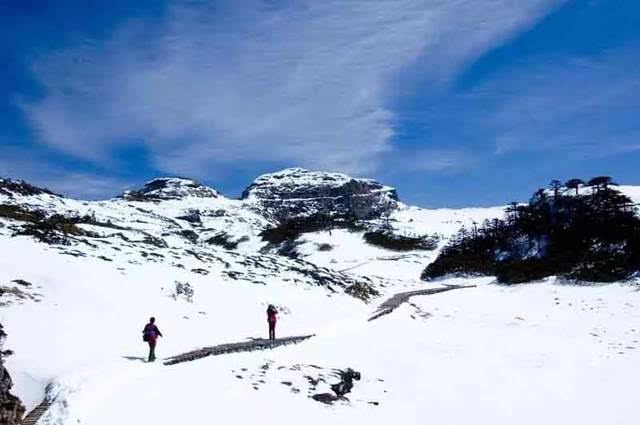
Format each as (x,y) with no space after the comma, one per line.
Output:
(601,182)
(556,185)
(574,184)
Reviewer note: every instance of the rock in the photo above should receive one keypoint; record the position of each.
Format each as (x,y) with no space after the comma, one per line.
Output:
(170,188)
(325,398)
(362,291)
(155,241)
(192,216)
(189,235)
(299,193)
(341,388)
(11,409)
(226,241)
(346,382)
(20,187)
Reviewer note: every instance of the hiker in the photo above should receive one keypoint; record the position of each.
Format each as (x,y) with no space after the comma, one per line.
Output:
(272,319)
(150,334)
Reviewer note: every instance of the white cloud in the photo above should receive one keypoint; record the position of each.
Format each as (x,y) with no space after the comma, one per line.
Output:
(583,107)
(432,160)
(304,82)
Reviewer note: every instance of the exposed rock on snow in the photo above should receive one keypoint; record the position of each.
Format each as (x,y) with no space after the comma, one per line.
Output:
(11,409)
(341,388)
(20,292)
(226,241)
(10,187)
(170,188)
(296,192)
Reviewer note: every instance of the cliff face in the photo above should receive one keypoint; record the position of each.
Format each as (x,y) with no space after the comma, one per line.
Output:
(11,409)
(297,193)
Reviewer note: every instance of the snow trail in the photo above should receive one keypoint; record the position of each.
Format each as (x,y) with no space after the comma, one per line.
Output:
(235,347)
(34,416)
(398,299)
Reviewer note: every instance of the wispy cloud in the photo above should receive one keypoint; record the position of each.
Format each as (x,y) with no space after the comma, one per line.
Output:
(583,107)
(432,160)
(303,82)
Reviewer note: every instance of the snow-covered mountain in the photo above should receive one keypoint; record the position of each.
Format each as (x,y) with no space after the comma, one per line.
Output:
(171,188)
(300,193)
(80,278)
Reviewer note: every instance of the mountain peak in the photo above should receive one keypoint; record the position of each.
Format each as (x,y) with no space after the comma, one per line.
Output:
(12,187)
(302,183)
(164,188)
(299,193)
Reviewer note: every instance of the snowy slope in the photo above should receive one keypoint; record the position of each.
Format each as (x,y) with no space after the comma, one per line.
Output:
(349,252)
(632,192)
(538,353)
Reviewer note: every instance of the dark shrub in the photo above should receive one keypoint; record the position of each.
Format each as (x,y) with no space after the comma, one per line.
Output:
(389,240)
(225,241)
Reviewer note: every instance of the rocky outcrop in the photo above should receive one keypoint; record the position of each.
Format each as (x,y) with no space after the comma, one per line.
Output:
(341,388)
(11,409)
(11,187)
(170,188)
(297,193)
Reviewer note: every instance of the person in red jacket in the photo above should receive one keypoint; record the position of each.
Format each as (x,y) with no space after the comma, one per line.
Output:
(272,318)
(150,334)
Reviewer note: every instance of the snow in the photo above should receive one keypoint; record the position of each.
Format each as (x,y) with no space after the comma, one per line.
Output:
(349,252)
(294,180)
(632,192)
(175,188)
(545,352)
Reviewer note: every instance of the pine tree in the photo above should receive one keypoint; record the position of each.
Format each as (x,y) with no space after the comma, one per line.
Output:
(556,185)
(574,184)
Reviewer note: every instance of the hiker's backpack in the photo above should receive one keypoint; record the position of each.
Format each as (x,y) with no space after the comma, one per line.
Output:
(147,333)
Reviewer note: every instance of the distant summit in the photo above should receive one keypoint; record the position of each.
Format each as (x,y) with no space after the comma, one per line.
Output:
(297,192)
(165,188)
(11,188)
(297,183)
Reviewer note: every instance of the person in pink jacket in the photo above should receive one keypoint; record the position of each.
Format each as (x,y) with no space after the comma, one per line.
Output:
(150,335)
(272,318)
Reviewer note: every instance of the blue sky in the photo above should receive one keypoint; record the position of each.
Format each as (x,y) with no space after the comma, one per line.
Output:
(456,103)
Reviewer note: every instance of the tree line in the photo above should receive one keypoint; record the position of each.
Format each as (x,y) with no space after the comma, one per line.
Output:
(581,230)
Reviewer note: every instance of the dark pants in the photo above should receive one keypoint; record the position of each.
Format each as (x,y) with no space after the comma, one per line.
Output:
(152,350)
(272,330)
